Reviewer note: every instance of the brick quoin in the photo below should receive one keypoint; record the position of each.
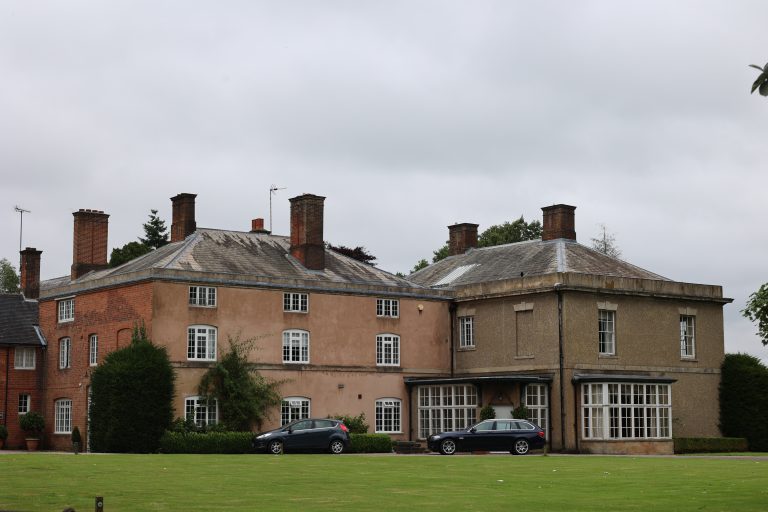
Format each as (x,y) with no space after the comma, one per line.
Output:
(110,314)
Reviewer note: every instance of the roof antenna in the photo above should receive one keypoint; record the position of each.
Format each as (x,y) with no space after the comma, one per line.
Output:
(272,190)
(21,211)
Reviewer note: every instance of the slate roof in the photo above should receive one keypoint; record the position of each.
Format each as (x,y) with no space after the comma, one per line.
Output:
(19,321)
(238,253)
(520,259)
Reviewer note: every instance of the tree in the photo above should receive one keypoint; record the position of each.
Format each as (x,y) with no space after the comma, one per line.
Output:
(242,394)
(128,252)
(510,232)
(358,253)
(132,397)
(422,263)
(9,279)
(440,254)
(606,243)
(743,401)
(761,84)
(757,311)
(155,231)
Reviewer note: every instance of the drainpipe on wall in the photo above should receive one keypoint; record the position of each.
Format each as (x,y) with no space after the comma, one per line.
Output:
(410,412)
(562,363)
(452,309)
(7,375)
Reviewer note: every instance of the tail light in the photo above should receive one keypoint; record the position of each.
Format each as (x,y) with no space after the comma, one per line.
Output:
(343,427)
(541,434)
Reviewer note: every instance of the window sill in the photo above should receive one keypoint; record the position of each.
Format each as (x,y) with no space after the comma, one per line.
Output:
(607,356)
(466,349)
(67,321)
(524,357)
(300,312)
(689,359)
(201,307)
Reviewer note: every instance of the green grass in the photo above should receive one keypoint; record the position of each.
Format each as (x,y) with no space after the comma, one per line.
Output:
(49,482)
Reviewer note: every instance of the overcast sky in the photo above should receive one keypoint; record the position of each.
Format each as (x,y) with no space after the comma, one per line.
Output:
(407,116)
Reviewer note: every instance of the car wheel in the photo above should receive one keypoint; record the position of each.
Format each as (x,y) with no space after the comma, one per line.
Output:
(521,447)
(337,447)
(448,447)
(275,447)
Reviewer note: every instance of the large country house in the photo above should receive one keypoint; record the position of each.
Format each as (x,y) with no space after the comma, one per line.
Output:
(607,357)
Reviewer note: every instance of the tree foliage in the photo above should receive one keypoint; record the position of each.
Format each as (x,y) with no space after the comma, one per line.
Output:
(359,253)
(355,424)
(605,242)
(761,84)
(743,400)
(243,395)
(155,232)
(128,252)
(422,263)
(9,279)
(132,398)
(757,311)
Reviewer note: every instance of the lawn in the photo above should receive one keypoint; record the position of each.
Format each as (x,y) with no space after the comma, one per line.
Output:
(49,482)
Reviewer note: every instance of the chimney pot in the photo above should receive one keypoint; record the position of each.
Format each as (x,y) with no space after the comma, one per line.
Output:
(30,272)
(183,219)
(559,222)
(461,237)
(307,230)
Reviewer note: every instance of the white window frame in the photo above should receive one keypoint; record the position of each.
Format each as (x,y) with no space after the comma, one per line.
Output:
(446,408)
(296,346)
(294,408)
(294,302)
(606,332)
(202,296)
(466,332)
(536,402)
(387,350)
(202,413)
(201,343)
(93,349)
(63,416)
(620,410)
(388,308)
(24,358)
(65,353)
(687,336)
(66,309)
(25,403)
(389,416)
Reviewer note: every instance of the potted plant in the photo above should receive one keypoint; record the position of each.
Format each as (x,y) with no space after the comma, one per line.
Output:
(33,424)
(3,435)
(76,440)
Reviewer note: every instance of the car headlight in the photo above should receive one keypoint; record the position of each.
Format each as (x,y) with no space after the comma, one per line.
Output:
(435,437)
(263,436)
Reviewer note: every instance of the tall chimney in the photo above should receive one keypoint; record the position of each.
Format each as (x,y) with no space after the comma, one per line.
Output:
(183,222)
(89,244)
(461,237)
(307,231)
(30,272)
(559,222)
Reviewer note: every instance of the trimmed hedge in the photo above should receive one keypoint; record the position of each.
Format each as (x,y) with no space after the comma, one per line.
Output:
(710,444)
(370,443)
(211,442)
(743,400)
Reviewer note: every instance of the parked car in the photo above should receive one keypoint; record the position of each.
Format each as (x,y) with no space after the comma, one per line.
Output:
(305,436)
(515,436)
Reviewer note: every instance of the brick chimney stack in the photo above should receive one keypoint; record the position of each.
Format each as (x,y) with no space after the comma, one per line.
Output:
(559,222)
(307,231)
(30,273)
(461,237)
(89,244)
(183,220)
(257,226)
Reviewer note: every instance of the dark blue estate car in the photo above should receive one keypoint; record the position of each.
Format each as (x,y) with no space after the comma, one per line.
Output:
(515,436)
(307,435)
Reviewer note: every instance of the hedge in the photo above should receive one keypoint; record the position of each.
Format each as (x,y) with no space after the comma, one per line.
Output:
(370,443)
(211,442)
(710,444)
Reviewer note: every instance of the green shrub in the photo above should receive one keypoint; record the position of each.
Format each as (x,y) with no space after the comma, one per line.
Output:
(211,442)
(520,412)
(370,443)
(75,436)
(3,432)
(355,424)
(32,423)
(487,413)
(743,400)
(710,444)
